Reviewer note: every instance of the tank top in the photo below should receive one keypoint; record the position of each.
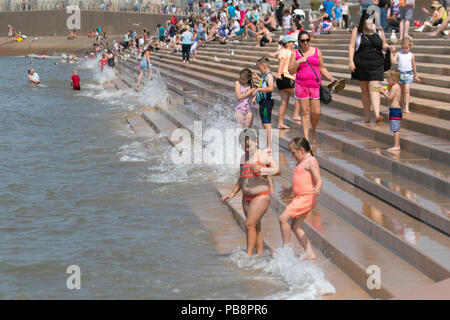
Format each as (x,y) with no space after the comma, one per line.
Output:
(260,96)
(404,61)
(303,181)
(305,76)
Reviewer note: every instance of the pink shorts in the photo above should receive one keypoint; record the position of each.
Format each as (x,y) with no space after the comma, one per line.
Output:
(306,93)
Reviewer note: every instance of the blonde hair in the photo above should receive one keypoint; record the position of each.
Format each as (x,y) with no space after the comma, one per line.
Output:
(393,74)
(407,42)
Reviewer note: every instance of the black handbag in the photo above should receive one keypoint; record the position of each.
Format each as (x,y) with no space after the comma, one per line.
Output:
(325,93)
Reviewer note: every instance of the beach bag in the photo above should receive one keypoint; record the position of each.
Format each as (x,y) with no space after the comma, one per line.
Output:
(325,93)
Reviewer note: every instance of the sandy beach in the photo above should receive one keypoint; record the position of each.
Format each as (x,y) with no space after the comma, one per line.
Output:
(49,45)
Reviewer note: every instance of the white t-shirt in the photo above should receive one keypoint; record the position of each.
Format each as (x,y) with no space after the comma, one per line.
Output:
(404,61)
(344,10)
(141,41)
(287,21)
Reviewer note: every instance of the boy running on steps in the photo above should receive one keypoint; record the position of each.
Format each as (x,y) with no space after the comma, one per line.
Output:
(395,111)
(263,95)
(306,185)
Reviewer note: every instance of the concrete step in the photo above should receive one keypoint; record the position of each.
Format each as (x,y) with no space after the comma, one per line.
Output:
(140,126)
(382,256)
(345,286)
(420,101)
(432,148)
(421,203)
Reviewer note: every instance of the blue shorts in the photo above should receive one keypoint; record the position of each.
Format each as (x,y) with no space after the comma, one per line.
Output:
(241,31)
(265,110)
(202,36)
(395,119)
(406,77)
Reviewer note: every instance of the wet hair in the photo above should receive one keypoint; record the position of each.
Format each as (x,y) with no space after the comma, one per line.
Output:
(264,61)
(298,143)
(247,73)
(393,74)
(247,134)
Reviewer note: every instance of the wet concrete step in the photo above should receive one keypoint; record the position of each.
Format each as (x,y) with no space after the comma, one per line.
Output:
(382,222)
(336,255)
(155,118)
(417,104)
(423,204)
(345,287)
(140,126)
(387,135)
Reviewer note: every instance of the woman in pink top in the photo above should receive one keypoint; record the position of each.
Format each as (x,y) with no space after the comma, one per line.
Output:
(307,85)
(306,185)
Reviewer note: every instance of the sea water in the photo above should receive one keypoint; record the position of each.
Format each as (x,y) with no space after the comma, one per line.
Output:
(77,187)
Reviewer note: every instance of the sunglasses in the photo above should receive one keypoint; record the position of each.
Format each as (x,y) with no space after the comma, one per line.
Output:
(305,40)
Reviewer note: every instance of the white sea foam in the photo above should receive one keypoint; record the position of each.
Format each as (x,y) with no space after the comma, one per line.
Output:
(304,279)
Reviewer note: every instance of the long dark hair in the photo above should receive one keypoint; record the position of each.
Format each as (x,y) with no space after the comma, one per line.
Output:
(364,17)
(298,143)
(247,73)
(302,33)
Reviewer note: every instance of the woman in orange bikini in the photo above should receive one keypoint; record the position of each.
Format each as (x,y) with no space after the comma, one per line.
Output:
(306,185)
(256,188)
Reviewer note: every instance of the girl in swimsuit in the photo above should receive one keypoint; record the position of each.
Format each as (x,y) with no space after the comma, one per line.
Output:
(103,62)
(144,66)
(255,185)
(306,185)
(243,89)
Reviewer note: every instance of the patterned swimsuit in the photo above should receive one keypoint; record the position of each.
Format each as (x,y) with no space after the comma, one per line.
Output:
(244,106)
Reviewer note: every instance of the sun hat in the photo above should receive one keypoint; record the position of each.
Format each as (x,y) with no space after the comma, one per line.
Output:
(435,4)
(287,38)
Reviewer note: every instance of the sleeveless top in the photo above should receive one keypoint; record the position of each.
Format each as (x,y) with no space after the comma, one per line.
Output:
(260,96)
(404,61)
(247,171)
(302,180)
(368,50)
(305,76)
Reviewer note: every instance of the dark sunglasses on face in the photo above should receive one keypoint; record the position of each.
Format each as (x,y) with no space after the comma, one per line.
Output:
(304,40)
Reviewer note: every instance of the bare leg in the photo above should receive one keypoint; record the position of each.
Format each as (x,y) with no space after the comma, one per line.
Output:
(375,99)
(407,89)
(256,210)
(268,128)
(285,227)
(402,28)
(315,117)
(306,107)
(365,97)
(406,29)
(139,79)
(303,238)
(249,120)
(149,77)
(285,95)
(402,95)
(240,118)
(396,146)
(296,116)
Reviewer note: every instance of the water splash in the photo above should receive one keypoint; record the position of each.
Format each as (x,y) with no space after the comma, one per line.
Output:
(305,279)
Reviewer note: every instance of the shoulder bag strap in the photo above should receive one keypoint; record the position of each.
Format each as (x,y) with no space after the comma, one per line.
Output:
(317,78)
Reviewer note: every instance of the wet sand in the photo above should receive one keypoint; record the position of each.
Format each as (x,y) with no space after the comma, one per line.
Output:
(49,45)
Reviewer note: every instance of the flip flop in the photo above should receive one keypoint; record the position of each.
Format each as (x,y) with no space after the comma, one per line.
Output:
(337,85)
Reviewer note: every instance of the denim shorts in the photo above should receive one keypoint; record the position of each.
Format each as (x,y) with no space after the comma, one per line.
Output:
(406,77)
(395,125)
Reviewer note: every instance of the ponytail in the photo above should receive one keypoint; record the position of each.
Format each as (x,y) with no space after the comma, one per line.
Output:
(298,143)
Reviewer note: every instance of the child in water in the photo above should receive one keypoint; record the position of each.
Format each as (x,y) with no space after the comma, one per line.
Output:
(306,185)
(243,89)
(103,61)
(75,80)
(395,111)
(256,167)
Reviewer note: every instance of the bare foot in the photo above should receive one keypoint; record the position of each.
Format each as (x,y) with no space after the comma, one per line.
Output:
(406,111)
(309,256)
(380,118)
(394,149)
(296,119)
(283,126)
(314,139)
